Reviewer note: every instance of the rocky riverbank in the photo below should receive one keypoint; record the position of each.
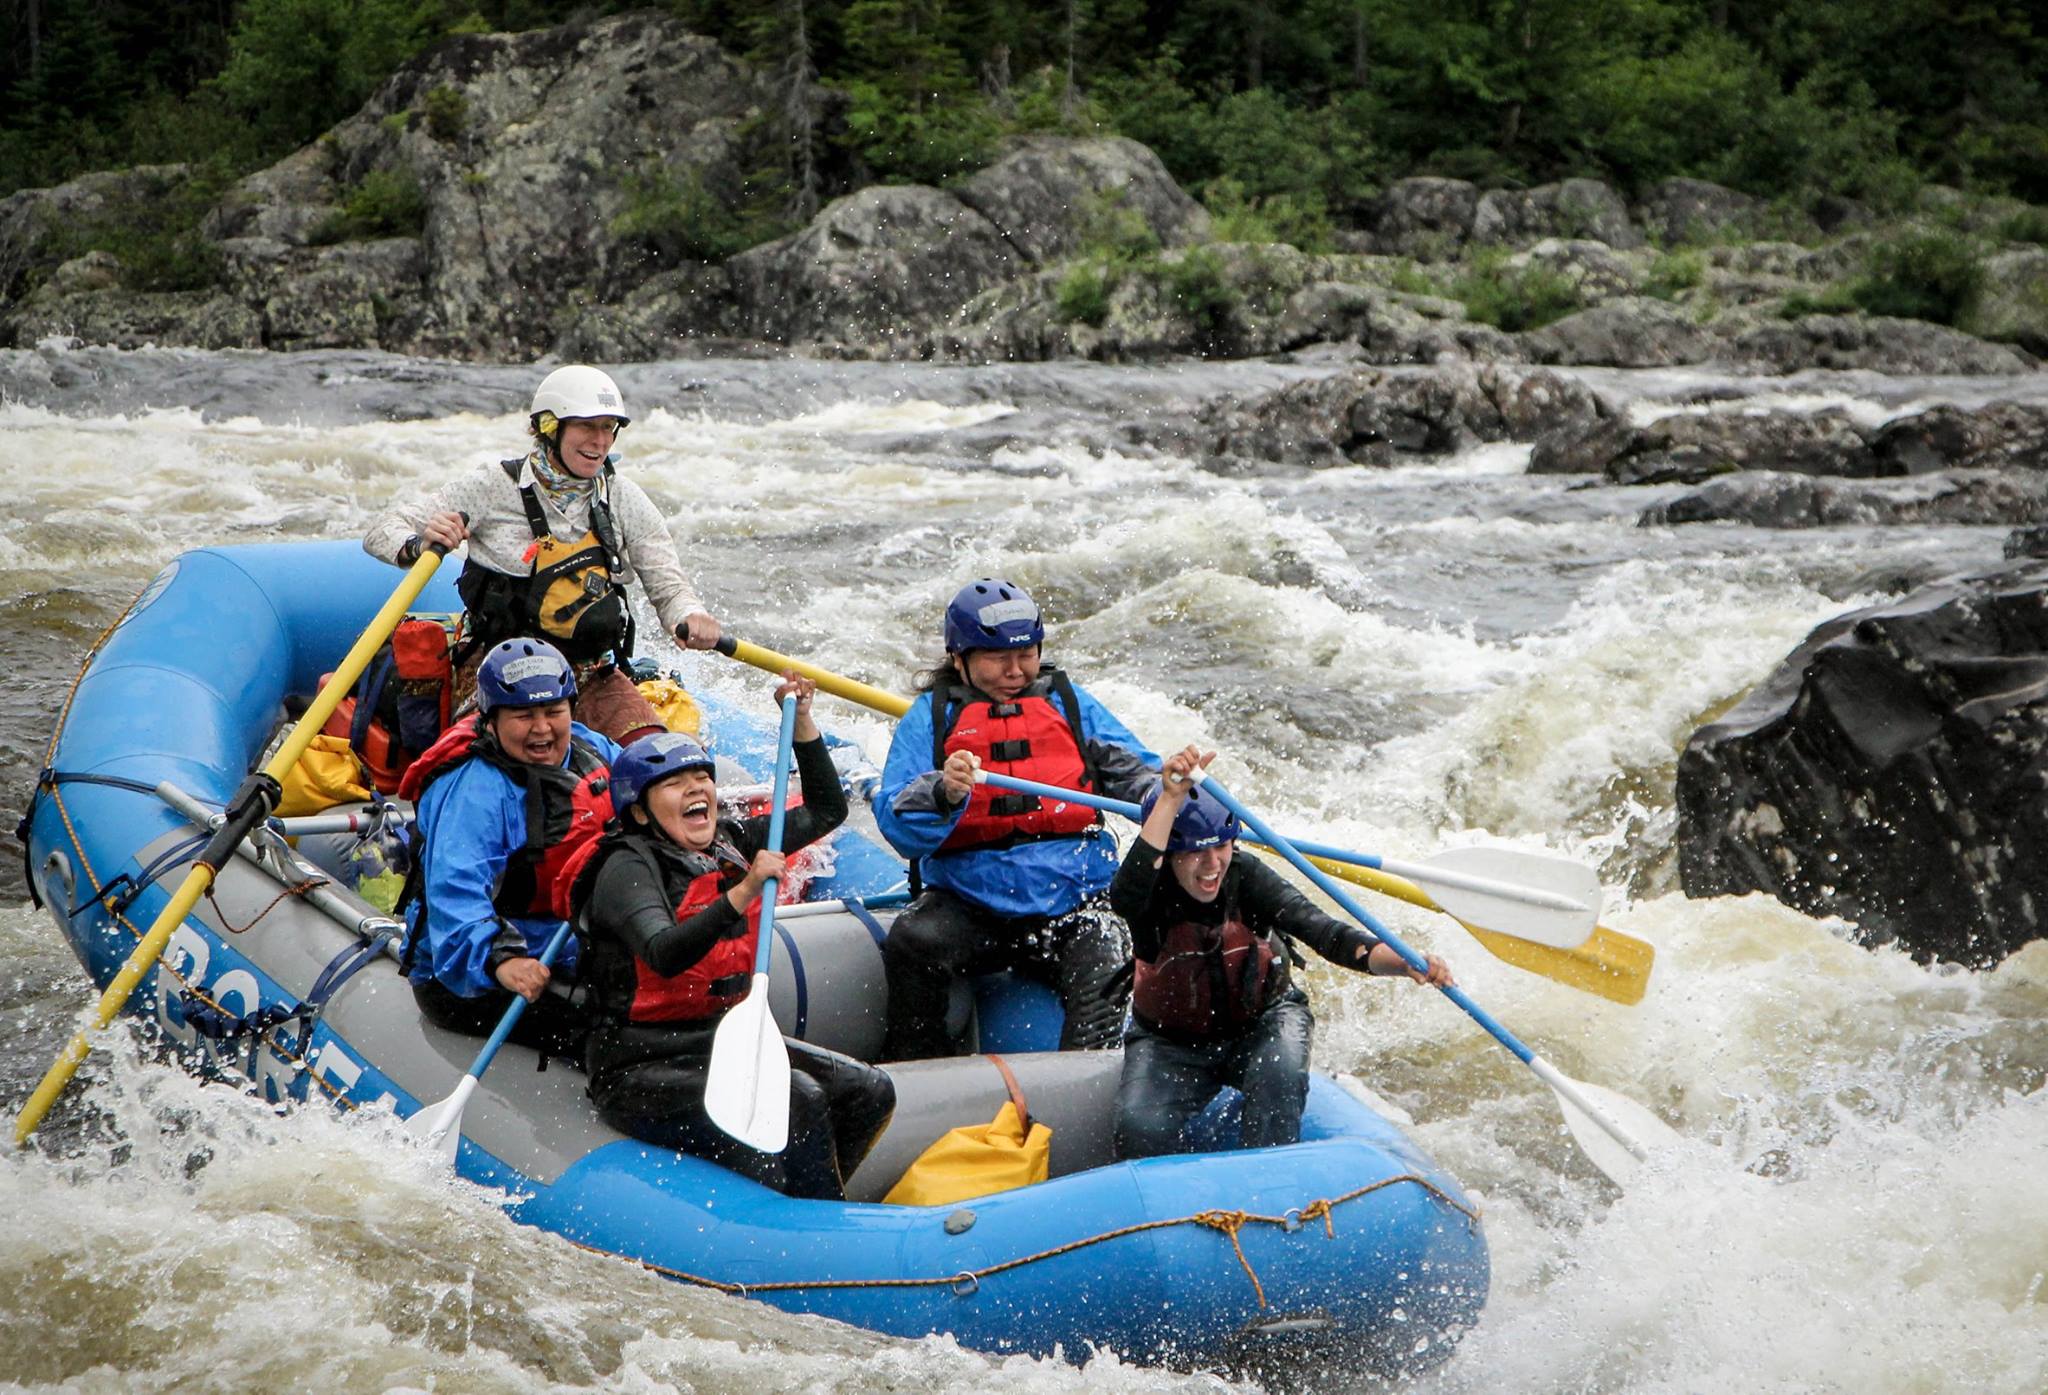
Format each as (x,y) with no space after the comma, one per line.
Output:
(480,208)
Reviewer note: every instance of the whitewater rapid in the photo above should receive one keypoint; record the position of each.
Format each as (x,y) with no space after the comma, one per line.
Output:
(1389,660)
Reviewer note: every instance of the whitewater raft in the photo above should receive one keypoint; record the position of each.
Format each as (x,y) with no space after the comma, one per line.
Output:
(1351,1241)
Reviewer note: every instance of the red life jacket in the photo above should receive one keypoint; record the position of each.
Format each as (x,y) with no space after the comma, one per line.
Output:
(567,808)
(721,978)
(1209,980)
(1029,738)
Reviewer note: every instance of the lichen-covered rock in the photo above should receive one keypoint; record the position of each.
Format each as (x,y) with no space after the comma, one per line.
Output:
(1575,208)
(1636,332)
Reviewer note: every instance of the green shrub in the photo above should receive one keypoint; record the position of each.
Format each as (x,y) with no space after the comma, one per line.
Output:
(1930,276)
(1514,298)
(447,113)
(1674,272)
(386,203)
(1297,219)
(682,219)
(1409,277)
(155,238)
(2027,225)
(1197,280)
(1833,300)
(1083,294)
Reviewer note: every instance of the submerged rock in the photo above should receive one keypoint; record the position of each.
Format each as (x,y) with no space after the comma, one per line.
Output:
(1893,770)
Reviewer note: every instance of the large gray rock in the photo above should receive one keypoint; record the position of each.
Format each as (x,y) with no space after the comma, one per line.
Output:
(877,265)
(2013,302)
(1693,446)
(1675,211)
(525,152)
(1875,343)
(1050,195)
(1576,208)
(1636,332)
(1890,772)
(1367,416)
(1770,499)
(1998,434)
(1424,218)
(38,226)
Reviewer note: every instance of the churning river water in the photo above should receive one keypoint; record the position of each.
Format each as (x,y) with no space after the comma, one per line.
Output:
(1392,660)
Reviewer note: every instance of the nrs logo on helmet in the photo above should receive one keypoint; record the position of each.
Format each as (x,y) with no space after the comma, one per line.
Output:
(992,614)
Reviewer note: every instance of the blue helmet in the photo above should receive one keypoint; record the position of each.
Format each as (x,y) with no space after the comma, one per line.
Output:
(649,761)
(1201,823)
(990,614)
(523,673)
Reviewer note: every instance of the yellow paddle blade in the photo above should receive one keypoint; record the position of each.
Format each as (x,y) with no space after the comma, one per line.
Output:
(1609,964)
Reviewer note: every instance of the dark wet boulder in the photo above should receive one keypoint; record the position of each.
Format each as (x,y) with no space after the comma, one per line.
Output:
(1374,417)
(1771,499)
(1998,434)
(1875,343)
(1891,771)
(1689,447)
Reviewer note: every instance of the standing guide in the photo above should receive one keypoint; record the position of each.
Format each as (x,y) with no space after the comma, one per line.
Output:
(553,539)
(1010,882)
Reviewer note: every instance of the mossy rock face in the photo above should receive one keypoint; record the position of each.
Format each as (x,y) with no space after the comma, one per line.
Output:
(2012,303)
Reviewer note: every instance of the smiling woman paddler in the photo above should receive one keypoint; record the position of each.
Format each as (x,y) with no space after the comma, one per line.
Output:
(669,904)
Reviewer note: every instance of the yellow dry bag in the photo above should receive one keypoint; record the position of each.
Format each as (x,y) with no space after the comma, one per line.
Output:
(326,775)
(1012,1150)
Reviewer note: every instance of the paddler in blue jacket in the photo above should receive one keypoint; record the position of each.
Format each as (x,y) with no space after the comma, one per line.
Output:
(501,800)
(1011,882)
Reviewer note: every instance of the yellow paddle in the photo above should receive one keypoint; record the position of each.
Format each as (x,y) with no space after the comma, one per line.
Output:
(250,806)
(1608,964)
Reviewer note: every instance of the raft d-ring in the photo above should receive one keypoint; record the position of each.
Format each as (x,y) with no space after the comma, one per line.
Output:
(965,1285)
(1292,1220)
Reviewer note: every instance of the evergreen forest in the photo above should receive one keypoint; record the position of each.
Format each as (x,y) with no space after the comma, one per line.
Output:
(1300,109)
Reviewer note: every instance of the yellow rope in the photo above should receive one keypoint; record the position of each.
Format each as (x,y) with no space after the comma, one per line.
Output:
(1228,1222)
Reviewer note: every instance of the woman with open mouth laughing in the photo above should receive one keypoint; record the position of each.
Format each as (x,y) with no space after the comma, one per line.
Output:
(669,902)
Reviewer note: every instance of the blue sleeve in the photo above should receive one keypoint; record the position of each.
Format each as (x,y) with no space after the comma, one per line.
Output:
(604,745)
(474,822)
(904,809)
(1125,768)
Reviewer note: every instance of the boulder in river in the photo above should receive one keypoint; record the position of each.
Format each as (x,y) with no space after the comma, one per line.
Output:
(1772,499)
(1893,770)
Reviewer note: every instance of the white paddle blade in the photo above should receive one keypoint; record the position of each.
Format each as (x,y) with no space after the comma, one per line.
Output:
(439,1126)
(1615,1132)
(1533,896)
(748,1091)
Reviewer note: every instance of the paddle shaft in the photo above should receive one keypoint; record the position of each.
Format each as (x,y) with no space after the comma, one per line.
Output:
(517,1007)
(784,742)
(887,703)
(1130,811)
(250,806)
(1563,1085)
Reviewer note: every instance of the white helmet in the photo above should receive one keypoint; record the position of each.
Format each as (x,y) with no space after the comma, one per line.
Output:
(579,391)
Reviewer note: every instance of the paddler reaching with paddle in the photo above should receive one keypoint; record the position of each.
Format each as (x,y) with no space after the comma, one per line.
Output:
(1214,1002)
(1011,882)
(553,539)
(670,904)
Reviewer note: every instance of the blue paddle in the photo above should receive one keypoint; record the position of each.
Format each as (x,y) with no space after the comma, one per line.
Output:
(1592,1114)
(439,1126)
(747,1094)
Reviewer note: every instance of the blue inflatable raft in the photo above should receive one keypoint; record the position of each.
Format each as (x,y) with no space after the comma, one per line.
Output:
(1351,1241)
